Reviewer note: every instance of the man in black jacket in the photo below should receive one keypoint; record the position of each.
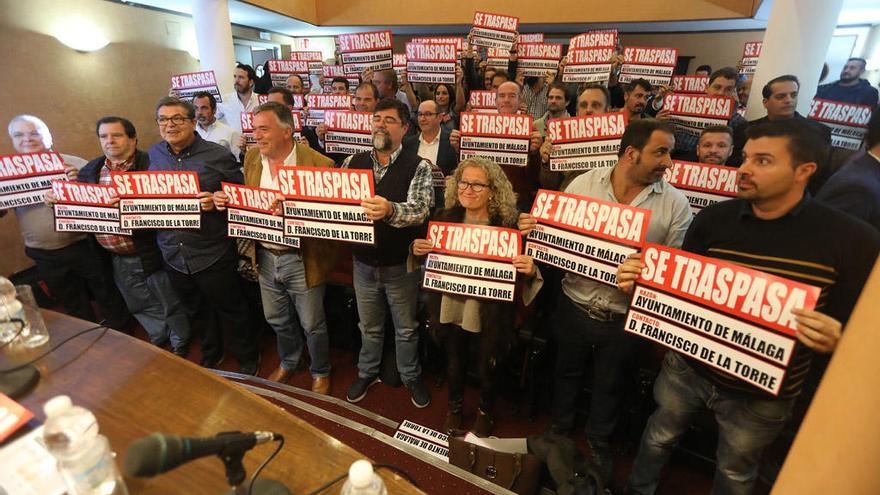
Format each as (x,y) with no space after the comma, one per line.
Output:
(137,262)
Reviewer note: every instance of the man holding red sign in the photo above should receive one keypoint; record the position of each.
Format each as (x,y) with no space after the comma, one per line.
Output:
(202,263)
(590,313)
(404,195)
(771,227)
(291,280)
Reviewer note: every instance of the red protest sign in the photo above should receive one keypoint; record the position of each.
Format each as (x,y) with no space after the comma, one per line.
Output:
(704,184)
(530,38)
(158,199)
(280,70)
(359,51)
(848,121)
(188,84)
(585,236)
(651,63)
(535,59)
(82,207)
(690,114)
(472,260)
(325,203)
(751,53)
(250,215)
(494,30)
(732,318)
(319,103)
(690,84)
(249,198)
(586,142)
(483,101)
(25,177)
(603,38)
(348,132)
(503,138)
(586,65)
(430,63)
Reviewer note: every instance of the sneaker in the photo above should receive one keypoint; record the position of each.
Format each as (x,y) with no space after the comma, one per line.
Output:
(212,362)
(358,389)
(183,351)
(419,393)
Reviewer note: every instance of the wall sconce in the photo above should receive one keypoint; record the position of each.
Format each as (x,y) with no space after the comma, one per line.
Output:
(81,35)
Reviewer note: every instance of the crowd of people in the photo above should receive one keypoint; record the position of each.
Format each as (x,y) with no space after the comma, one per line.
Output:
(794,216)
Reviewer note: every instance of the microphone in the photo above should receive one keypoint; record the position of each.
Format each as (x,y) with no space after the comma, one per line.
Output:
(157,453)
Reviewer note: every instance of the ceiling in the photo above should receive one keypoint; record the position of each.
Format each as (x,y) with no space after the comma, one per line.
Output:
(854,12)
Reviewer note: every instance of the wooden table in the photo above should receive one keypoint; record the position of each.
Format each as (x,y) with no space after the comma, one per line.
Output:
(135,389)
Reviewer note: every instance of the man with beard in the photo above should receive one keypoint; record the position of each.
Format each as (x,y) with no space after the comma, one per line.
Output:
(772,226)
(743,88)
(851,88)
(557,100)
(240,100)
(715,145)
(212,129)
(635,99)
(294,84)
(400,208)
(589,316)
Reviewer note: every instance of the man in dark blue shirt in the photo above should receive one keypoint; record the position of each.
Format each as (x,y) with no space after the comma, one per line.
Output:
(202,263)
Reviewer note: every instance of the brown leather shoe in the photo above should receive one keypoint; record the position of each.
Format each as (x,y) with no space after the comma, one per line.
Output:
(483,425)
(280,375)
(321,385)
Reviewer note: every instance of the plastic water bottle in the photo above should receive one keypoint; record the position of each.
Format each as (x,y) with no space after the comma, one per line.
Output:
(86,463)
(363,481)
(10,308)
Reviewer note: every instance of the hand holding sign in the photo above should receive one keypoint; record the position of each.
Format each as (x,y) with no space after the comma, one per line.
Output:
(628,272)
(817,331)
(526,223)
(421,247)
(221,199)
(535,141)
(206,200)
(377,208)
(526,265)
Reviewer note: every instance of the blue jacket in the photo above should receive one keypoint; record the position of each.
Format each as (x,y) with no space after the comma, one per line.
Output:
(862,93)
(855,189)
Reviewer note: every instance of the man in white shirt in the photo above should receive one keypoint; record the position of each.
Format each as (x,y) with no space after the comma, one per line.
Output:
(212,129)
(240,100)
(434,146)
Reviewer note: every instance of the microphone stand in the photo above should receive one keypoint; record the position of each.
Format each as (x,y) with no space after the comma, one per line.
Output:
(237,478)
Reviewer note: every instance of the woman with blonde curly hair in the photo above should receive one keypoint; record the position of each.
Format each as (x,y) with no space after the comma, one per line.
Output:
(478,192)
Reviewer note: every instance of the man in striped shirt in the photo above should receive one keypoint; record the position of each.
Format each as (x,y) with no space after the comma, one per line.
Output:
(773,226)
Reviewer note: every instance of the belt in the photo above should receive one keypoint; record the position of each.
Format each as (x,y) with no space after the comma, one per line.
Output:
(279,252)
(599,314)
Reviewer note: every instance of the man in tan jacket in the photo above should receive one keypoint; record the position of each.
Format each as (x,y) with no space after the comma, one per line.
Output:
(291,280)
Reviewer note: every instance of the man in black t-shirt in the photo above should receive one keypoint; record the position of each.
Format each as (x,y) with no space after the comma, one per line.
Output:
(774,227)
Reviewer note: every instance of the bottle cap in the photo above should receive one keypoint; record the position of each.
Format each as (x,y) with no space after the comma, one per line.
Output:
(360,474)
(57,405)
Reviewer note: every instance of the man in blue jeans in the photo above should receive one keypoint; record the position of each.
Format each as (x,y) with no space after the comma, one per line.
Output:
(404,195)
(291,279)
(775,227)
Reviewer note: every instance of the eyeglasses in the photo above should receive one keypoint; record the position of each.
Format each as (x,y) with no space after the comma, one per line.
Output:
(177,119)
(475,186)
(388,120)
(427,114)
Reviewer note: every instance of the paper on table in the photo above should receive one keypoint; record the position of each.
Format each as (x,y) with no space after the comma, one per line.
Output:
(27,468)
(509,445)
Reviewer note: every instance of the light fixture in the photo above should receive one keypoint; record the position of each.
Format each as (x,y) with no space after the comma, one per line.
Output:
(80,34)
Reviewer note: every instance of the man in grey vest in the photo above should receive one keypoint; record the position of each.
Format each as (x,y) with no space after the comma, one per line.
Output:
(399,209)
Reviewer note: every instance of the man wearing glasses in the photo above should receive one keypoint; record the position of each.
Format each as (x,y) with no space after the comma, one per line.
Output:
(201,263)
(433,144)
(399,210)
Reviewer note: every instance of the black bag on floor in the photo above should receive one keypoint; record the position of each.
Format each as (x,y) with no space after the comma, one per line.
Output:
(571,472)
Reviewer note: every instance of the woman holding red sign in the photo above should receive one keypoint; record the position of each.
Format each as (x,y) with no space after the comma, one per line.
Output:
(477,193)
